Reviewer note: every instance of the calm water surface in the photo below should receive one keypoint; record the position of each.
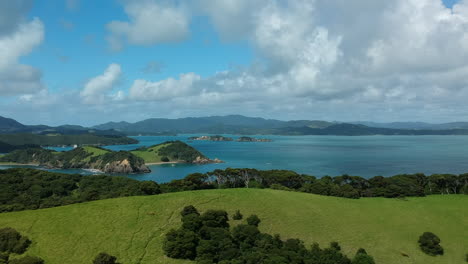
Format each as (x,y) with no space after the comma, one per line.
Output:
(365,156)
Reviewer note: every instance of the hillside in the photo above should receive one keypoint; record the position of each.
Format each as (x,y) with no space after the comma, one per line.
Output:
(132,228)
(172,151)
(68,140)
(80,158)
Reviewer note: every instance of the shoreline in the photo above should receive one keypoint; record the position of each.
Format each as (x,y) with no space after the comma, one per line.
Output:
(19,164)
(162,163)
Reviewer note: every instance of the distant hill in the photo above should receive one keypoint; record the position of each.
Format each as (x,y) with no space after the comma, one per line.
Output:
(416,125)
(237,124)
(234,124)
(10,125)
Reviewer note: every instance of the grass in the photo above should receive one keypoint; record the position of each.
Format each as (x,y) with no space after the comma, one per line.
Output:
(150,155)
(94,152)
(133,228)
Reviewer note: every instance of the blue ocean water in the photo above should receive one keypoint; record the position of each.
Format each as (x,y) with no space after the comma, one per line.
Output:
(365,156)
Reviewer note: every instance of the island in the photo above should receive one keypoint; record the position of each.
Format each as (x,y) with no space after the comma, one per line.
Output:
(172,152)
(251,139)
(211,138)
(107,161)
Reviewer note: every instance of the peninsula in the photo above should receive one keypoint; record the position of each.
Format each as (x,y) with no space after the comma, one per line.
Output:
(107,161)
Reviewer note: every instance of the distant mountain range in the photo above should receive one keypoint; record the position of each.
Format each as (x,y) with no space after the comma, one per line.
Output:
(237,124)
(241,125)
(11,126)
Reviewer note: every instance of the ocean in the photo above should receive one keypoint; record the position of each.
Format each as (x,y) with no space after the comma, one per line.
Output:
(365,156)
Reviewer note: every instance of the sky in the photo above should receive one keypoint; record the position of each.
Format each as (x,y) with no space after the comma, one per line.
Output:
(89,62)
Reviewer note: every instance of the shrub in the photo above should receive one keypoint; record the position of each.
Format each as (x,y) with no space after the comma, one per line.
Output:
(27,260)
(150,187)
(4,258)
(104,258)
(11,241)
(215,218)
(335,245)
(237,215)
(363,259)
(189,209)
(181,244)
(253,220)
(430,244)
(165,159)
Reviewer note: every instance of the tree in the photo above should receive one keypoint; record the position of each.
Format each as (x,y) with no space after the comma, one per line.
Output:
(362,258)
(192,222)
(104,258)
(181,244)
(11,241)
(4,258)
(237,215)
(189,209)
(150,187)
(253,220)
(335,245)
(215,218)
(165,159)
(430,244)
(27,260)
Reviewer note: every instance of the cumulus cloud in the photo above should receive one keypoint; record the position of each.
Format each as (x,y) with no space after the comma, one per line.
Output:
(97,89)
(150,22)
(16,78)
(165,89)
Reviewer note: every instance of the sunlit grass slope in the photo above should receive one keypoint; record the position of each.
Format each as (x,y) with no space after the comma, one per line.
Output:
(133,228)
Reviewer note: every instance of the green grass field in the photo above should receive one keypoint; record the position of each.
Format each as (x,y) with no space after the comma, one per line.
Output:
(133,228)
(151,154)
(94,152)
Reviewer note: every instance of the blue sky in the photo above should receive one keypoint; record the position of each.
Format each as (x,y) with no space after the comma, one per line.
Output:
(87,62)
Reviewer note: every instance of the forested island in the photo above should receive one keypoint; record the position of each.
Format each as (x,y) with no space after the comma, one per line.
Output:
(107,161)
(223,138)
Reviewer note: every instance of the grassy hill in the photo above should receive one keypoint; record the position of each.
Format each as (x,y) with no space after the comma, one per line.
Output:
(133,228)
(174,151)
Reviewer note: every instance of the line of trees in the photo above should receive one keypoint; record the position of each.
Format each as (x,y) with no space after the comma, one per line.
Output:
(403,185)
(208,238)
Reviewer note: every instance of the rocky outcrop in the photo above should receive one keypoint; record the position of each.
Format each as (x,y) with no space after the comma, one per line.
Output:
(125,167)
(202,160)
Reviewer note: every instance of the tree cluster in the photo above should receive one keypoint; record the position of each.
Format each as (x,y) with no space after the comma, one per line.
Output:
(12,242)
(430,244)
(208,238)
(26,189)
(404,185)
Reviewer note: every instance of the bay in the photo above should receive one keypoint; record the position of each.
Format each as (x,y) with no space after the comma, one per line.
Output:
(365,156)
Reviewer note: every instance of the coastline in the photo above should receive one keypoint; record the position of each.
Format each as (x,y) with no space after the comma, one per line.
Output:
(162,163)
(18,164)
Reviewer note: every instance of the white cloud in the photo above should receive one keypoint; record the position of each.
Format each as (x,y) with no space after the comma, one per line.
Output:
(16,78)
(97,88)
(165,89)
(150,22)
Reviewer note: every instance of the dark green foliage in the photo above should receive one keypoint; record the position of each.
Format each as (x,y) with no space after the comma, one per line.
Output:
(335,245)
(60,140)
(189,209)
(215,218)
(362,259)
(27,260)
(466,257)
(430,244)
(4,257)
(181,244)
(214,242)
(165,159)
(405,185)
(6,148)
(178,150)
(361,251)
(104,258)
(22,189)
(253,220)
(237,215)
(11,241)
(150,187)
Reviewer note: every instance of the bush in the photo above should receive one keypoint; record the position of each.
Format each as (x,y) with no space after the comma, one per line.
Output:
(165,159)
(27,260)
(237,216)
(430,244)
(253,220)
(189,209)
(4,258)
(335,245)
(11,241)
(104,258)
(150,187)
(181,244)
(363,259)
